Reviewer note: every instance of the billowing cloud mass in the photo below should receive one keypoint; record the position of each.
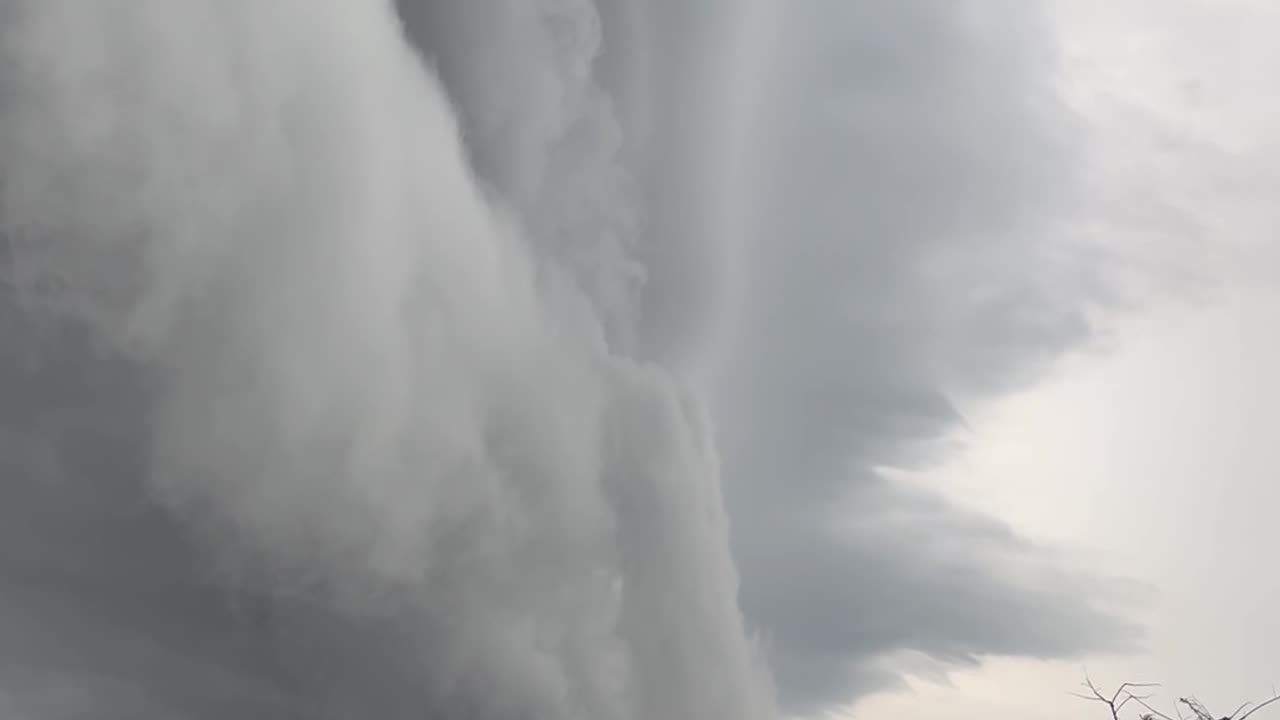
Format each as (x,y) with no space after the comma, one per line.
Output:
(308,422)
(343,350)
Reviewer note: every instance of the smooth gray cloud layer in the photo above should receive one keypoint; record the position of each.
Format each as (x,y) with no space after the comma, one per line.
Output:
(910,252)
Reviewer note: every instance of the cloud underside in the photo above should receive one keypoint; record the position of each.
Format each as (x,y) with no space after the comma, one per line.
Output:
(327,388)
(912,252)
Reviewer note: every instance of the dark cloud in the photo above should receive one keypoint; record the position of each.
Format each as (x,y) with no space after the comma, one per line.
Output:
(910,252)
(628,154)
(241,482)
(917,178)
(306,421)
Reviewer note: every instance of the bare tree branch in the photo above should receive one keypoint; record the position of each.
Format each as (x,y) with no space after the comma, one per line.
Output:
(1274,698)
(1125,694)
(1116,702)
(1154,713)
(1238,710)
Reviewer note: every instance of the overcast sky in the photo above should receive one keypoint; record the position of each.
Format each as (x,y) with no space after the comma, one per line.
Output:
(728,359)
(1147,462)
(1146,455)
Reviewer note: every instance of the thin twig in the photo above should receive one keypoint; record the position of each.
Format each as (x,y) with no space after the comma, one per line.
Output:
(1124,694)
(1274,698)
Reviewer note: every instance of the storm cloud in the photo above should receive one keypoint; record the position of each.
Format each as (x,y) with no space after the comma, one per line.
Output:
(355,355)
(914,253)
(362,439)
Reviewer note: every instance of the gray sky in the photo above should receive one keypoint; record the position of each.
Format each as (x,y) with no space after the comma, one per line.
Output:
(1147,462)
(1145,455)
(572,359)
(909,252)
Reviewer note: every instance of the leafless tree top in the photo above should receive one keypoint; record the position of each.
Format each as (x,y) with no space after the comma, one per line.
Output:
(1131,692)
